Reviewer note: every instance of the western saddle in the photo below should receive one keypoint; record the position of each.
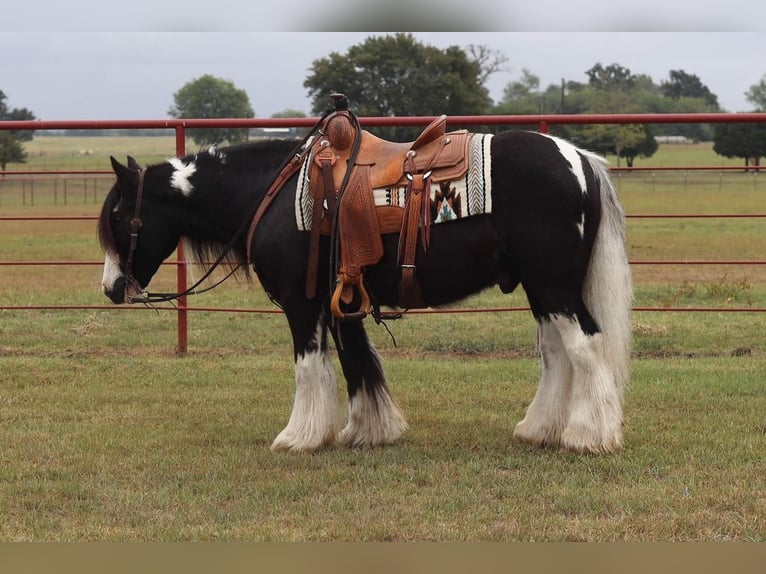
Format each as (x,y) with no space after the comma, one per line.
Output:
(348,163)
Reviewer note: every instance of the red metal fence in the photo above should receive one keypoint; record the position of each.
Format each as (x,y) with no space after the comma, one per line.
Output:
(180,126)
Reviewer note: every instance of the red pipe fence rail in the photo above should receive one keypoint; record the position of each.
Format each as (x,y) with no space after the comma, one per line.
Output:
(543,122)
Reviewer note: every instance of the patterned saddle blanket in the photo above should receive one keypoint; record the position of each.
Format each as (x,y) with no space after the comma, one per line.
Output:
(471,194)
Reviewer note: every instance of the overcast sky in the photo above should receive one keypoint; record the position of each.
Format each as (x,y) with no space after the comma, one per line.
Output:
(132,68)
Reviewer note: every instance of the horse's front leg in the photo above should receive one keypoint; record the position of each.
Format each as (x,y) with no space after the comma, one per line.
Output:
(374,419)
(315,419)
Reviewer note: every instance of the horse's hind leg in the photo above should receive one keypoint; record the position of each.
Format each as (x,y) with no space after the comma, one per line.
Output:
(578,405)
(373,418)
(595,408)
(547,415)
(315,419)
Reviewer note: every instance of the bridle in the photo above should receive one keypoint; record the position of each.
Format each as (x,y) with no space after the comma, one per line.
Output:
(287,169)
(135,227)
(147,297)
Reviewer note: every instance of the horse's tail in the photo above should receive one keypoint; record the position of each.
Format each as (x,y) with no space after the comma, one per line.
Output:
(608,289)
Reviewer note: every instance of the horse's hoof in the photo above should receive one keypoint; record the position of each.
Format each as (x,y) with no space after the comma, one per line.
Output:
(536,436)
(583,444)
(291,444)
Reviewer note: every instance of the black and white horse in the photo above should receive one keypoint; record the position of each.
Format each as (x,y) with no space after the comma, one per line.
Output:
(555,227)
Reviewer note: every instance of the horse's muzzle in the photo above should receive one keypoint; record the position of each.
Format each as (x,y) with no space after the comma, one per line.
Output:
(118,292)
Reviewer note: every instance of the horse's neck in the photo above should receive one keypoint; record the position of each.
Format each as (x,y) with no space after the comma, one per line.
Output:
(216,216)
(227,204)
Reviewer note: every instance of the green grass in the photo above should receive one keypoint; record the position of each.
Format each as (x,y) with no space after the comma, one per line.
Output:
(107,434)
(177,449)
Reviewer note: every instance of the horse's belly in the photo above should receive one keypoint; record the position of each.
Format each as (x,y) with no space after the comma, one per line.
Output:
(463,258)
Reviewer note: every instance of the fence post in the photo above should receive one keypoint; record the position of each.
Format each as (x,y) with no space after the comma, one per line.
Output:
(183,314)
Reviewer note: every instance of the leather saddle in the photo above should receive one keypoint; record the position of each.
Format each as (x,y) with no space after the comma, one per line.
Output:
(347,164)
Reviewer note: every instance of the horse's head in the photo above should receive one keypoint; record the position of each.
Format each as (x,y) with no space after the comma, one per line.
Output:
(135,230)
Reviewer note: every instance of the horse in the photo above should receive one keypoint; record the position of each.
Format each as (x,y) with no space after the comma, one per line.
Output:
(555,227)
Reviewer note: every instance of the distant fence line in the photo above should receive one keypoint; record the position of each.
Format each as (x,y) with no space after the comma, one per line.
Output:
(63,188)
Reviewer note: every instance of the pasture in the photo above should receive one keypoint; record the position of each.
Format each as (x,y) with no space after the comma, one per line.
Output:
(107,434)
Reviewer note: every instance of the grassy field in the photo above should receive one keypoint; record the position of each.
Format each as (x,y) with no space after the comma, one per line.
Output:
(107,434)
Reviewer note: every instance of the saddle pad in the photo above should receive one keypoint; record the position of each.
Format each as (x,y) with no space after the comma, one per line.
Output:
(466,196)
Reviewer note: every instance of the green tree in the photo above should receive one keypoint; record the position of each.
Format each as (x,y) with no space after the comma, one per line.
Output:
(522,97)
(634,141)
(211,97)
(614,89)
(682,85)
(756,95)
(684,93)
(745,140)
(11,149)
(395,75)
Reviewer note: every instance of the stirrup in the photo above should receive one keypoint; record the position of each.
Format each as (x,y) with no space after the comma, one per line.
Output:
(364,306)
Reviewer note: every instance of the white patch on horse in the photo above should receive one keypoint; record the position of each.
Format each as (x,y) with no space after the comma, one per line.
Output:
(595,401)
(111,273)
(374,419)
(180,179)
(547,415)
(572,155)
(315,419)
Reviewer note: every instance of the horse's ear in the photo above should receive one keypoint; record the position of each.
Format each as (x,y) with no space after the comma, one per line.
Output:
(125,175)
(133,164)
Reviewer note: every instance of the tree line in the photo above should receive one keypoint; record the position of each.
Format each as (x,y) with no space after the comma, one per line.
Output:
(396,75)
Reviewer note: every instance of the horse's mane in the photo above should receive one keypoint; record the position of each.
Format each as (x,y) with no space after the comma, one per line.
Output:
(260,159)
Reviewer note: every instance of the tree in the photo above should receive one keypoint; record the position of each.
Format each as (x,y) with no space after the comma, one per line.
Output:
(634,141)
(627,141)
(490,61)
(522,96)
(614,89)
(399,76)
(745,140)
(612,77)
(683,85)
(11,149)
(211,97)
(756,95)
